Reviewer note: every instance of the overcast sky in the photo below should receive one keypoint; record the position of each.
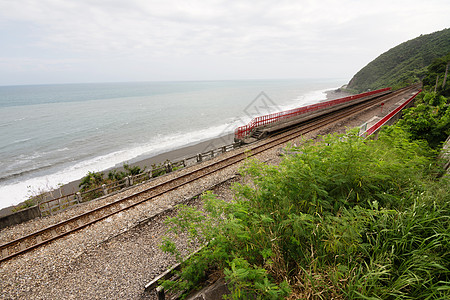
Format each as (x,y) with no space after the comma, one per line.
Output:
(69,41)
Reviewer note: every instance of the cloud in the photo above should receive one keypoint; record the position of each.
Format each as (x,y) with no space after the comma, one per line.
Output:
(134,35)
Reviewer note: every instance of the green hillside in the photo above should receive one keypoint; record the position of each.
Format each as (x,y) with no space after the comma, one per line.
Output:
(403,64)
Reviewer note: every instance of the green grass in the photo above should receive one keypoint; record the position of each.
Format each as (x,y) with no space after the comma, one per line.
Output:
(343,218)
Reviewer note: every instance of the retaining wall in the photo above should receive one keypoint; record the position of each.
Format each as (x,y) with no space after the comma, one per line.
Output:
(20,216)
(445,155)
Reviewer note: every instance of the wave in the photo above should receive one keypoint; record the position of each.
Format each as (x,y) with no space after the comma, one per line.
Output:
(307,99)
(15,188)
(16,142)
(25,172)
(6,124)
(11,122)
(33,163)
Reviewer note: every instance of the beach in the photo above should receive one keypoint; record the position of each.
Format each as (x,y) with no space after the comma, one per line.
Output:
(158,144)
(173,155)
(181,153)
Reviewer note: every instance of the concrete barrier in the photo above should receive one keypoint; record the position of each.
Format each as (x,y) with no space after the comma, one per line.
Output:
(20,216)
(215,291)
(445,155)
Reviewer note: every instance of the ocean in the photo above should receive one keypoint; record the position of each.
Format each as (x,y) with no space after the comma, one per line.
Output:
(54,134)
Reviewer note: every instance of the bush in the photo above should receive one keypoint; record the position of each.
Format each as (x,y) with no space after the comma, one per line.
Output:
(341,218)
(26,204)
(91,180)
(429,119)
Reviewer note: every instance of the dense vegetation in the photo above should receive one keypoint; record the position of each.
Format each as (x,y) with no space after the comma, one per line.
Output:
(404,64)
(429,119)
(343,218)
(339,218)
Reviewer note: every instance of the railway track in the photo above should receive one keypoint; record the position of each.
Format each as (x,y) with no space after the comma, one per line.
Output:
(61,229)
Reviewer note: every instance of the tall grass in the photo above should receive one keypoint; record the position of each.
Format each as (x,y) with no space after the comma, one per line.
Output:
(342,218)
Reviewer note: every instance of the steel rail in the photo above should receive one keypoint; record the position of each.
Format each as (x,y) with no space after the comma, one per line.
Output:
(46,235)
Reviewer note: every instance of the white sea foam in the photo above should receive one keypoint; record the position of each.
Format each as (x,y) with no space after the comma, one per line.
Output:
(306,99)
(15,192)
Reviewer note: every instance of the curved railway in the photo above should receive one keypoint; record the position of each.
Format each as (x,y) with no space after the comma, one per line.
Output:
(56,231)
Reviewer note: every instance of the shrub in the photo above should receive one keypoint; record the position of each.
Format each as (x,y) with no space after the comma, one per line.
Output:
(429,119)
(26,204)
(91,181)
(341,218)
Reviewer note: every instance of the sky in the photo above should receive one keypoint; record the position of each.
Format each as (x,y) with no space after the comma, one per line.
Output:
(78,41)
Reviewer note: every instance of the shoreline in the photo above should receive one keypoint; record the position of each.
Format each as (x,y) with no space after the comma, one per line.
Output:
(172,155)
(145,161)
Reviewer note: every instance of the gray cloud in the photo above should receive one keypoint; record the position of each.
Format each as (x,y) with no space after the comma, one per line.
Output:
(177,40)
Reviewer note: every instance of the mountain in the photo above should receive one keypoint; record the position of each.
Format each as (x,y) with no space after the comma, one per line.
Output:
(404,64)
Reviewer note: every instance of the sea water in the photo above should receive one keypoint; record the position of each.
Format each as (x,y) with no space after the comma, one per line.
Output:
(54,134)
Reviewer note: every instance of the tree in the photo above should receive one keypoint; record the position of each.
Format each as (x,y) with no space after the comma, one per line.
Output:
(436,76)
